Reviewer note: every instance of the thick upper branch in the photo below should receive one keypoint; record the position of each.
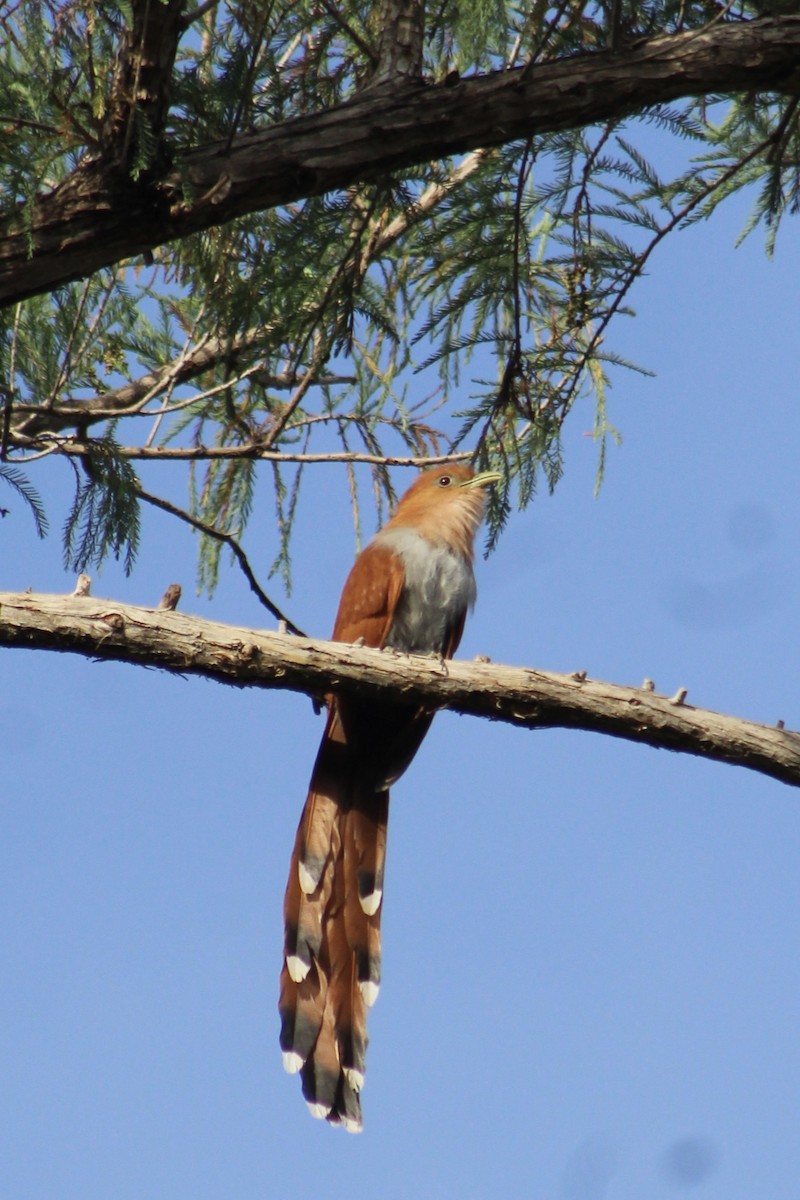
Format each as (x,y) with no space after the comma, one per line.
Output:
(144,68)
(91,220)
(247,657)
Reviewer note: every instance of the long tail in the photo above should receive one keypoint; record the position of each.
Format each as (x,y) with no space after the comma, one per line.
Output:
(332,912)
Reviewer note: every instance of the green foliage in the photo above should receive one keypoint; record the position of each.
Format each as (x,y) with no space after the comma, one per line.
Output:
(465,306)
(104,518)
(19,482)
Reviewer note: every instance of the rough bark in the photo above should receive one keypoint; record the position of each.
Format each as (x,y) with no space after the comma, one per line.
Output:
(96,218)
(154,637)
(400,47)
(142,77)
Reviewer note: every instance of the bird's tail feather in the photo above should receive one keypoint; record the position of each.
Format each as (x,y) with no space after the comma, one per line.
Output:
(364,858)
(331,970)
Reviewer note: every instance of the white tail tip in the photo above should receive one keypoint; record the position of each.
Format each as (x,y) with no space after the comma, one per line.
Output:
(308,883)
(351,1125)
(369,992)
(355,1078)
(297,968)
(371,903)
(319,1111)
(292,1062)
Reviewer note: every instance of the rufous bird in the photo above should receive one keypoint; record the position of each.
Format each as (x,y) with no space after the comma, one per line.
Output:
(409,590)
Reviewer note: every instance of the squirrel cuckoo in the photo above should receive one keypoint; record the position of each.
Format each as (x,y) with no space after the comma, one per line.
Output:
(410,590)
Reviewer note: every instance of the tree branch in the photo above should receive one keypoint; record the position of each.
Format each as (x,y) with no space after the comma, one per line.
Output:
(104,629)
(227,539)
(141,87)
(96,217)
(31,420)
(256,452)
(400,47)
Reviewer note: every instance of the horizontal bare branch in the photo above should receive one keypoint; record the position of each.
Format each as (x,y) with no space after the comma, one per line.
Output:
(104,629)
(252,450)
(97,217)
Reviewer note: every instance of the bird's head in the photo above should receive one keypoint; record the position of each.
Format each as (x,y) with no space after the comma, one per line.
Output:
(447,504)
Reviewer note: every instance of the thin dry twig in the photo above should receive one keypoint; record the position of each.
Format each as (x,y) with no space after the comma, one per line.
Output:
(228,540)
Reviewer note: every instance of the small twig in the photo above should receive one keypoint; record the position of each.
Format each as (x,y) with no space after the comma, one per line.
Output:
(549,28)
(350,265)
(173,369)
(8,401)
(246,86)
(64,367)
(777,138)
(513,369)
(228,540)
(25,123)
(169,601)
(354,36)
(381,238)
(197,13)
(641,259)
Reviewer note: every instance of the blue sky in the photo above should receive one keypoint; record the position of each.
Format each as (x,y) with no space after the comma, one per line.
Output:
(591,975)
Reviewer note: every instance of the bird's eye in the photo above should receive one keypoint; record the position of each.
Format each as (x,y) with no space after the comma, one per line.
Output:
(445,480)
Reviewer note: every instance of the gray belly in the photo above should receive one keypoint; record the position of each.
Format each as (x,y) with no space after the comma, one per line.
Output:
(439,588)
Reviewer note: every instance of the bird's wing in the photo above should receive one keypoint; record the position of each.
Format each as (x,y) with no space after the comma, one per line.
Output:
(370,597)
(454,634)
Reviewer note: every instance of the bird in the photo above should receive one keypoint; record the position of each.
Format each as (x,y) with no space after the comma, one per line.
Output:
(409,590)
